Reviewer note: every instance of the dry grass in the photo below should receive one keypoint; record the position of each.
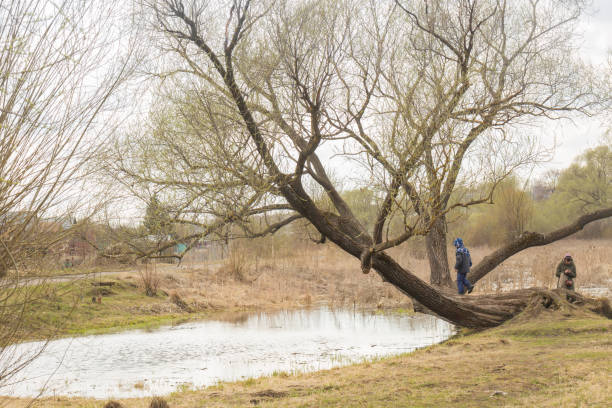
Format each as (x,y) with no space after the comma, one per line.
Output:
(324,274)
(319,276)
(312,275)
(536,266)
(149,278)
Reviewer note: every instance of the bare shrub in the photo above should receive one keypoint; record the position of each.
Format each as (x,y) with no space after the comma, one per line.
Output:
(54,85)
(150,279)
(178,300)
(113,404)
(235,266)
(158,402)
(307,299)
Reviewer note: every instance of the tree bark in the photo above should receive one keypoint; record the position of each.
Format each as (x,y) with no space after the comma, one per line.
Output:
(449,307)
(435,242)
(485,310)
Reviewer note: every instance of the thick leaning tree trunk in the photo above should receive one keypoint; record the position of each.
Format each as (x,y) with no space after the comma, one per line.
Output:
(467,311)
(348,235)
(435,242)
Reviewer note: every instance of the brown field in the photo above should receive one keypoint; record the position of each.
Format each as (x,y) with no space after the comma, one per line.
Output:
(536,266)
(325,274)
(310,274)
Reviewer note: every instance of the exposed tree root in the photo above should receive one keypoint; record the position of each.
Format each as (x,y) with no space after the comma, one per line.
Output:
(525,304)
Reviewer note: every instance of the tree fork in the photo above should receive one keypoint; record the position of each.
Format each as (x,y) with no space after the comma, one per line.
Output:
(532,239)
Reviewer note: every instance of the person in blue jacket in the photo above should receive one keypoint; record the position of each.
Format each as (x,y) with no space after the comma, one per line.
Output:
(462,266)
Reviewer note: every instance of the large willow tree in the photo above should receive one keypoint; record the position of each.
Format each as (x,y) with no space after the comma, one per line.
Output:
(261,101)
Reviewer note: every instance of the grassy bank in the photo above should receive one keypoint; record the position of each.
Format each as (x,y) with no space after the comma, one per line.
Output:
(66,309)
(58,309)
(550,361)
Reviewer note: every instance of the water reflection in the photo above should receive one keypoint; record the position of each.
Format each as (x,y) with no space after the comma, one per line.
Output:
(139,363)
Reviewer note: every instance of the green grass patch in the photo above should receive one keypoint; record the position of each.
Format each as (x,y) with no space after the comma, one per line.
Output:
(556,328)
(67,309)
(585,355)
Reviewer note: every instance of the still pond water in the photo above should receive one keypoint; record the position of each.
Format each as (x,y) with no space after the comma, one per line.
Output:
(144,363)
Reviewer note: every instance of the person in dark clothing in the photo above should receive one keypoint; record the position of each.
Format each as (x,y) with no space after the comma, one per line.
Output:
(566,273)
(462,266)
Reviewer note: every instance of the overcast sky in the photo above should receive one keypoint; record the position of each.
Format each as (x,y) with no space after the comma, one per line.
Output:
(573,139)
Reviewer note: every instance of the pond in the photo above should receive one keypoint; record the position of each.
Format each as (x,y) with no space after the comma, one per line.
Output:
(196,354)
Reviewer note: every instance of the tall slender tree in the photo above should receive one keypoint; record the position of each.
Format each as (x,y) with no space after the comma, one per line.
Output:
(57,79)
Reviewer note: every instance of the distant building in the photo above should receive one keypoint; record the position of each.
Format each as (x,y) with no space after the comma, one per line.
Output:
(540,192)
(17,217)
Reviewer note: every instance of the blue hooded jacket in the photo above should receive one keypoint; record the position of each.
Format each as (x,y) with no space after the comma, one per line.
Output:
(463,260)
